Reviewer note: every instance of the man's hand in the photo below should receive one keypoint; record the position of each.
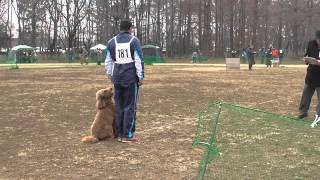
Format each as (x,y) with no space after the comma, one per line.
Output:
(140,82)
(109,78)
(305,61)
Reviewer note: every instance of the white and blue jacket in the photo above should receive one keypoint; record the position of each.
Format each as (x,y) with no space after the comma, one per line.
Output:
(124,59)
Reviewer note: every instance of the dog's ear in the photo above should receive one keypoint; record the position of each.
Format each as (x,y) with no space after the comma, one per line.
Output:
(100,103)
(98,94)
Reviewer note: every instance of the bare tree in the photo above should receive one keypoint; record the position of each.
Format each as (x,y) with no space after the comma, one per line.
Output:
(54,10)
(254,23)
(4,24)
(36,11)
(242,24)
(219,30)
(179,26)
(231,23)
(73,13)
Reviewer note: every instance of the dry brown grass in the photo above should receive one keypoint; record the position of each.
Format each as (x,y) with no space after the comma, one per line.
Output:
(40,109)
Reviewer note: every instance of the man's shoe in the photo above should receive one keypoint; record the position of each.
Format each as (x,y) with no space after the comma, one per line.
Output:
(315,122)
(119,139)
(301,116)
(129,140)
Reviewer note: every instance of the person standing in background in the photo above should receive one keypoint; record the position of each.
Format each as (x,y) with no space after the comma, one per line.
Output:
(194,57)
(312,80)
(251,60)
(269,57)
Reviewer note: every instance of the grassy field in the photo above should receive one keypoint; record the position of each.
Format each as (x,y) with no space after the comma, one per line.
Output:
(45,113)
(260,145)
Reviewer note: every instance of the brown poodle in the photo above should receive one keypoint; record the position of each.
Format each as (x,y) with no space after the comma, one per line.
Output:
(103,125)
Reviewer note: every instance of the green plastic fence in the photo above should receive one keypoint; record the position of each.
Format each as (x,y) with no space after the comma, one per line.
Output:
(153,59)
(248,143)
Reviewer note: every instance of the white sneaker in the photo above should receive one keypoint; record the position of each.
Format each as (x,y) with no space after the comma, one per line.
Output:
(316,120)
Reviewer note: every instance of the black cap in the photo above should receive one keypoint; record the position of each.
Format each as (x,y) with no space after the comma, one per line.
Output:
(318,34)
(125,25)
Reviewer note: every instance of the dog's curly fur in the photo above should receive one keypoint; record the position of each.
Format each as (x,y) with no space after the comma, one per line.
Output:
(103,125)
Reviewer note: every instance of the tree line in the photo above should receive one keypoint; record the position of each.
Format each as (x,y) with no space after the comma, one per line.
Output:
(178,26)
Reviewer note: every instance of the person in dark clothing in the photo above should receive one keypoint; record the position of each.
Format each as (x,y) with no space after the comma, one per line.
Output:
(268,58)
(312,80)
(125,66)
(251,61)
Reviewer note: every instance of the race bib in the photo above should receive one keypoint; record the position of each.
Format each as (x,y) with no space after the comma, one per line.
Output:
(123,52)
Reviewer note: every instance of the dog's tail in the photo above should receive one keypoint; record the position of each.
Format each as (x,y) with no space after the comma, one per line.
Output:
(90,139)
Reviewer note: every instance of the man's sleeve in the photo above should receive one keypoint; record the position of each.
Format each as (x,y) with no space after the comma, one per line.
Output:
(138,58)
(308,49)
(108,61)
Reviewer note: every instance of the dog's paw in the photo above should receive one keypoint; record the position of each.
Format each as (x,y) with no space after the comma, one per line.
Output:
(90,139)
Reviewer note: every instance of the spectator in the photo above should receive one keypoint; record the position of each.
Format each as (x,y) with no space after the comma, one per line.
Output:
(269,57)
(233,53)
(312,80)
(194,57)
(275,57)
(251,60)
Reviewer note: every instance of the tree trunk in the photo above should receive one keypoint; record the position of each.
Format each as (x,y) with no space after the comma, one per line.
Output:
(231,24)
(255,24)
(126,7)
(295,28)
(171,32)
(55,27)
(158,32)
(167,26)
(200,38)
(219,44)
(242,25)
(207,28)
(188,38)
(148,22)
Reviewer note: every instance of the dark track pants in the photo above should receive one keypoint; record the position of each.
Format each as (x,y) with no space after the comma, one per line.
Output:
(250,67)
(307,94)
(125,97)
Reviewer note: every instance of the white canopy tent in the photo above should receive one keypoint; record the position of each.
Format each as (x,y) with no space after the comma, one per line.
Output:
(27,55)
(22,47)
(98,47)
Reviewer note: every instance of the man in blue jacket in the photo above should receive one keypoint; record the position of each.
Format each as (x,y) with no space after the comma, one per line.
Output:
(125,66)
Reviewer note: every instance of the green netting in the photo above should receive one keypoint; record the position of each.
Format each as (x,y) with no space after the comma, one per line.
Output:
(152,54)
(21,55)
(207,125)
(247,143)
(12,58)
(153,59)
